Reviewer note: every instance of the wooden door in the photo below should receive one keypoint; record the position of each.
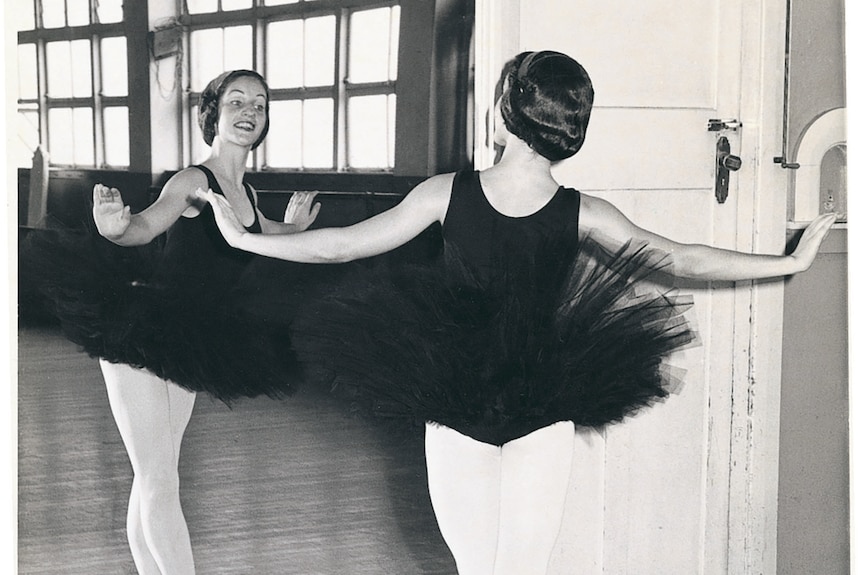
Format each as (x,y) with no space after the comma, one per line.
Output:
(687,487)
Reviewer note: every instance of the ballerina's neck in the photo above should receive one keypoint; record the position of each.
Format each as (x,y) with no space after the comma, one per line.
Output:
(517,192)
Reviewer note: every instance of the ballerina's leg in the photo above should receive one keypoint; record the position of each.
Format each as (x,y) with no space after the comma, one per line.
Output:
(151,415)
(464,484)
(534,484)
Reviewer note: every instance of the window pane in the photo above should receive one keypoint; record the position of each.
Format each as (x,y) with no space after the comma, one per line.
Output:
(117,136)
(317,133)
(369,54)
(114,67)
(284,54)
(69,69)
(70,136)
(53,13)
(201,6)
(235,4)
(320,51)
(207,57)
(82,76)
(59,61)
(370,128)
(215,50)
(28,137)
(391,125)
(24,14)
(79,12)
(82,125)
(284,141)
(28,85)
(108,11)
(238,48)
(280,2)
(394,31)
(60,144)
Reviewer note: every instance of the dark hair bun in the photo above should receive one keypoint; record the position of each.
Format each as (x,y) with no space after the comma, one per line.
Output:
(548,103)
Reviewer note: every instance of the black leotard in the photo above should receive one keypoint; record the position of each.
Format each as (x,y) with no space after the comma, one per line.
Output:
(490,242)
(517,327)
(185,306)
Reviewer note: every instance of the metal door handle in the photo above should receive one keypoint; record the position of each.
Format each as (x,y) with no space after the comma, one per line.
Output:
(725,162)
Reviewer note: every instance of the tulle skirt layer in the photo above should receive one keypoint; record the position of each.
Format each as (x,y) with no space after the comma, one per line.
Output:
(230,340)
(585,342)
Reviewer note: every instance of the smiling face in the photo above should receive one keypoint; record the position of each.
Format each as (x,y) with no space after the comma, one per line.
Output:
(242,111)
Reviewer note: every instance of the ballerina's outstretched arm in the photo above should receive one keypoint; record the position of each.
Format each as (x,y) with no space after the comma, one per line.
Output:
(423,206)
(698,261)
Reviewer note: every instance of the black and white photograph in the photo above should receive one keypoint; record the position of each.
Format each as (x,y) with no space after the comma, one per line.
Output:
(430,287)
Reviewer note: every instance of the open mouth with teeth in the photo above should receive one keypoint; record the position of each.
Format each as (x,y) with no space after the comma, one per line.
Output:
(245,126)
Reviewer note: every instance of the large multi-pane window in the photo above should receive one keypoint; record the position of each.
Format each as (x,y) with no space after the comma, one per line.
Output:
(331,67)
(72,83)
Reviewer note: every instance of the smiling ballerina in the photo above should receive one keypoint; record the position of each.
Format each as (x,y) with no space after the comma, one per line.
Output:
(165,318)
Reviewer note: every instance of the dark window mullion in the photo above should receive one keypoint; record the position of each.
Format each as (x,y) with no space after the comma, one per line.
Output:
(73,33)
(369,89)
(258,61)
(87,102)
(260,51)
(113,101)
(100,153)
(188,100)
(288,11)
(220,19)
(334,5)
(339,125)
(42,66)
(38,20)
(303,93)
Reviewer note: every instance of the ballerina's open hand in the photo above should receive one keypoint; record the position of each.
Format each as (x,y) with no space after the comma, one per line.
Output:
(228,224)
(301,210)
(811,239)
(112,217)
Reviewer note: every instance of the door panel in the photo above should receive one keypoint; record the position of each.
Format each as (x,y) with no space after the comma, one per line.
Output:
(644,149)
(656,54)
(653,495)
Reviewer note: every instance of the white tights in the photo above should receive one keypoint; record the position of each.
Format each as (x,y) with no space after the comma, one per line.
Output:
(152,414)
(500,508)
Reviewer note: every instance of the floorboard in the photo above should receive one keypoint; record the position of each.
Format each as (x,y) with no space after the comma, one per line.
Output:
(292,487)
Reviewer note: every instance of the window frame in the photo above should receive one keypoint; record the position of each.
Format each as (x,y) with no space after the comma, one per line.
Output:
(158,121)
(94,32)
(259,16)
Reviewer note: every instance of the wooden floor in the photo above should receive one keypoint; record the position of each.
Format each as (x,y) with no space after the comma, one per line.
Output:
(268,487)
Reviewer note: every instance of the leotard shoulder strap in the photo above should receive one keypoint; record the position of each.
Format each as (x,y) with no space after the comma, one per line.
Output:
(212,182)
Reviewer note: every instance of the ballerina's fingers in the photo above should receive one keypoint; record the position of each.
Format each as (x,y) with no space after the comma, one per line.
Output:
(298,201)
(227,221)
(219,204)
(819,227)
(301,209)
(809,244)
(104,195)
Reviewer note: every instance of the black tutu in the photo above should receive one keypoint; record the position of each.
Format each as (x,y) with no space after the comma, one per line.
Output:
(231,339)
(537,345)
